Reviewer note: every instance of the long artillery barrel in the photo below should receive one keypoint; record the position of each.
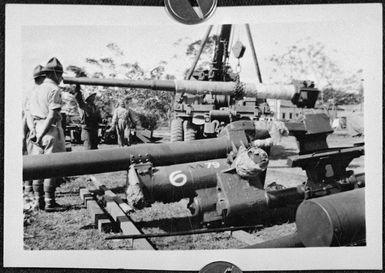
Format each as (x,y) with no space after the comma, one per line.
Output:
(118,159)
(299,94)
(334,220)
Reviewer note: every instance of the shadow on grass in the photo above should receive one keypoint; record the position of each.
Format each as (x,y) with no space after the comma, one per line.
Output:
(171,224)
(117,190)
(90,226)
(280,152)
(266,218)
(76,207)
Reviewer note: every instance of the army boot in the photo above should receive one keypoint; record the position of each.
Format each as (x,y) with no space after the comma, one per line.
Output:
(50,203)
(49,198)
(52,206)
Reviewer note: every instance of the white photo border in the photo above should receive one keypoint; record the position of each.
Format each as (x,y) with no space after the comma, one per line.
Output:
(368,257)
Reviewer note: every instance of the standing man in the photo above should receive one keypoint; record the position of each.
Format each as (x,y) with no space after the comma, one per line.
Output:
(90,118)
(28,125)
(47,136)
(123,120)
(132,121)
(38,77)
(119,123)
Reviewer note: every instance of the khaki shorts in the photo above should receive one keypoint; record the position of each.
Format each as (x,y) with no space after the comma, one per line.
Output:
(52,142)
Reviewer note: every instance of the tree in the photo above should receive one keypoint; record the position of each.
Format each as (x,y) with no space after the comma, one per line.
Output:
(192,49)
(338,97)
(113,65)
(309,60)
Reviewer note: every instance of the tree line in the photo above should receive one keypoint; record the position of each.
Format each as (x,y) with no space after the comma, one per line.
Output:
(304,60)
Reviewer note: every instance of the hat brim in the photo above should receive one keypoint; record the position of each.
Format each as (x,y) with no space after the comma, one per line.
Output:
(39,75)
(51,70)
(91,95)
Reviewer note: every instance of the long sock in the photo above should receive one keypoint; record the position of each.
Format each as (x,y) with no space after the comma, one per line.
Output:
(28,187)
(49,191)
(38,191)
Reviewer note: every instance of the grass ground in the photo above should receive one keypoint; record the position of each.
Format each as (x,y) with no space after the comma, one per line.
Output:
(73,229)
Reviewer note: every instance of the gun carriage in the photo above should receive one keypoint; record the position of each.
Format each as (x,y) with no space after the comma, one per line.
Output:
(209,99)
(202,171)
(217,105)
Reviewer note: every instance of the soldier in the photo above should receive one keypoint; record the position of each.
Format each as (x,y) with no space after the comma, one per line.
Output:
(123,120)
(90,118)
(119,123)
(38,77)
(46,135)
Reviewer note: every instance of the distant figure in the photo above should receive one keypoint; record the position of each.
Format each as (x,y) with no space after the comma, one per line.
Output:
(90,118)
(355,124)
(46,135)
(352,124)
(276,129)
(123,120)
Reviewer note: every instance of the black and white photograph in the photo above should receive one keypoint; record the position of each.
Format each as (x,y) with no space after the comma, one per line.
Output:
(169,138)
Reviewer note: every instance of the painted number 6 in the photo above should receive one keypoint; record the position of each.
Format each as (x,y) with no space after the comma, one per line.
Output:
(177,178)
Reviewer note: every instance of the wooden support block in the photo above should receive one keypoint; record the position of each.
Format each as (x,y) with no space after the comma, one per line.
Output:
(85,195)
(96,191)
(113,209)
(104,225)
(82,192)
(118,211)
(126,225)
(246,237)
(88,198)
(110,196)
(95,211)
(108,193)
(126,208)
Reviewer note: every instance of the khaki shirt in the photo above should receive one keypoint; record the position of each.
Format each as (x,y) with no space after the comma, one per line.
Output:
(126,115)
(120,113)
(44,97)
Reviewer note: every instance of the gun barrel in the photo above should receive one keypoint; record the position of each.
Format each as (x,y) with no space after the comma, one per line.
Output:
(338,219)
(166,85)
(118,159)
(258,90)
(172,183)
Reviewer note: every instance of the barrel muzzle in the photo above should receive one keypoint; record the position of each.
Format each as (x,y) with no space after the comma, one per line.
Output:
(306,95)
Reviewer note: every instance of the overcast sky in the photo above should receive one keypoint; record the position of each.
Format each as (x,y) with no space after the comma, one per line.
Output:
(149,44)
